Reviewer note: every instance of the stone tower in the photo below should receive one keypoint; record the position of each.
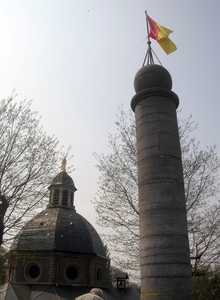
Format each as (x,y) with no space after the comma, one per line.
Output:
(164,246)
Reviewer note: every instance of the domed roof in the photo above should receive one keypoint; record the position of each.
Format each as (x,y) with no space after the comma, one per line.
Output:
(63,179)
(151,76)
(153,80)
(59,229)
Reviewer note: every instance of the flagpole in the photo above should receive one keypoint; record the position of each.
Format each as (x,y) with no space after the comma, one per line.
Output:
(148,56)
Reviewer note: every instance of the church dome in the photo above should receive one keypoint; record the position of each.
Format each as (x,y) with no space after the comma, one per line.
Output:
(58,246)
(63,179)
(59,229)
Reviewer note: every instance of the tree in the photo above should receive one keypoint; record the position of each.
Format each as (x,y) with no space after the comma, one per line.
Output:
(206,284)
(200,170)
(2,265)
(117,201)
(28,161)
(109,279)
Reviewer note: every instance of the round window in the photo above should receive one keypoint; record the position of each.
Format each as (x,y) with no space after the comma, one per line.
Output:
(72,273)
(34,271)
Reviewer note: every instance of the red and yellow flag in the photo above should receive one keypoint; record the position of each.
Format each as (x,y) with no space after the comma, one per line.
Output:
(161,35)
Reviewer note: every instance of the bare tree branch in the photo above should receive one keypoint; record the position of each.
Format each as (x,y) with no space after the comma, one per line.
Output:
(117,197)
(28,160)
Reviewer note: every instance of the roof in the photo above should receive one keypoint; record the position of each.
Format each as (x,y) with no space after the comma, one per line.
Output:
(12,291)
(59,229)
(63,179)
(121,275)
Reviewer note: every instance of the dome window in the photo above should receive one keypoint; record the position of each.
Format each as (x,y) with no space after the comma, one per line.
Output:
(71,199)
(56,197)
(72,273)
(65,198)
(33,272)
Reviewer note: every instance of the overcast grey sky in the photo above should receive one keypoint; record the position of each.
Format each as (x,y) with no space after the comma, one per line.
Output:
(77,61)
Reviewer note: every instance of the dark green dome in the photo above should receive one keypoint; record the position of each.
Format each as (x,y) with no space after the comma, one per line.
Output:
(59,229)
(63,179)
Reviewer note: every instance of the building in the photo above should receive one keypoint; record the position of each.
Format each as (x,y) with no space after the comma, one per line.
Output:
(58,254)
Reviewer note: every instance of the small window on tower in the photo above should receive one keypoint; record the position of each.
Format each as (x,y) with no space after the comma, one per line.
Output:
(71,199)
(65,198)
(56,197)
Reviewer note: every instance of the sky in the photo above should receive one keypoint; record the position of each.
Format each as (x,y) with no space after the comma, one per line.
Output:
(77,61)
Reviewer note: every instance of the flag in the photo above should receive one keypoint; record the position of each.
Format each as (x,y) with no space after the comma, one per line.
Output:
(161,35)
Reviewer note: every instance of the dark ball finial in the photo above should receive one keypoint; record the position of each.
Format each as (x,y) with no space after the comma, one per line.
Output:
(152,76)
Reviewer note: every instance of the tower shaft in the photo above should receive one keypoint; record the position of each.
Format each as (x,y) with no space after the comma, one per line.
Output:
(164,246)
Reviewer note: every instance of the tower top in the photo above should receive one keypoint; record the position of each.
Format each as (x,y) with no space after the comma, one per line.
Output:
(151,76)
(153,80)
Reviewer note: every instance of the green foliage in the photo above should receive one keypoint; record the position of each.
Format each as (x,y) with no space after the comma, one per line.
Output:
(206,284)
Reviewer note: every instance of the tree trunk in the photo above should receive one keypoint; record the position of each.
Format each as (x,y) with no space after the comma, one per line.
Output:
(3,208)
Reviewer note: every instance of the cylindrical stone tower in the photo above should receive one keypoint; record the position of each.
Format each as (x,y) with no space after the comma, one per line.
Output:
(164,245)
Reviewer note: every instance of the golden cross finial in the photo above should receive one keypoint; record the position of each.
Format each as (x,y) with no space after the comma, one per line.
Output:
(63,165)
